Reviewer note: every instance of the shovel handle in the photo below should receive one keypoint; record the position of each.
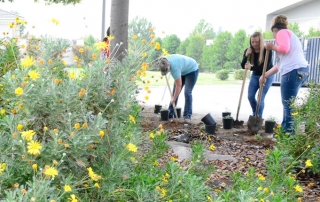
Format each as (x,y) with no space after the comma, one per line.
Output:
(263,77)
(173,105)
(243,84)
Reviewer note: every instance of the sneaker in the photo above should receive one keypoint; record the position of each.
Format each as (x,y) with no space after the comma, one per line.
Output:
(187,120)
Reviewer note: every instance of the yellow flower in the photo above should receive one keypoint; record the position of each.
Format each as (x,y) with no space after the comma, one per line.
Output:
(3,111)
(158,46)
(212,147)
(266,190)
(67,188)
(151,135)
(28,135)
(146,88)
(2,167)
(101,133)
(298,188)
(209,199)
(131,147)
(55,131)
(54,21)
(173,159)
(35,167)
(135,37)
(81,50)
(72,75)
(50,61)
(93,175)
(261,177)
(29,61)
(165,52)
(85,125)
(94,56)
(19,127)
(308,163)
(100,45)
(77,126)
(152,43)
(152,36)
(146,97)
(18,91)
(151,29)
(34,147)
(156,163)
(73,198)
(260,188)
(34,75)
(294,114)
(299,199)
(51,171)
(144,41)
(97,185)
(132,119)
(164,192)
(144,54)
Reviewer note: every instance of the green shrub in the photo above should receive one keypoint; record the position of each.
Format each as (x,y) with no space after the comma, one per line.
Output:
(238,74)
(222,74)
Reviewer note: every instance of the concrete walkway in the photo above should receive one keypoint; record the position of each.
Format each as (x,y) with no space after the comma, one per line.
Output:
(215,99)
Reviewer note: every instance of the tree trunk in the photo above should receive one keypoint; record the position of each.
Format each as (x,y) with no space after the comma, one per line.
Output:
(119,28)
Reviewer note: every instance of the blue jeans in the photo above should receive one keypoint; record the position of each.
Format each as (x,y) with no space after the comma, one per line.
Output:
(290,85)
(252,91)
(188,80)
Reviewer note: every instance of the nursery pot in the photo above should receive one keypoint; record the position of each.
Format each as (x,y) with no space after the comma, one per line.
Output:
(178,112)
(157,108)
(227,122)
(268,126)
(208,120)
(226,114)
(164,115)
(211,129)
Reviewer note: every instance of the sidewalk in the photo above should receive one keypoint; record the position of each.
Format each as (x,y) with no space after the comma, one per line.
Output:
(215,99)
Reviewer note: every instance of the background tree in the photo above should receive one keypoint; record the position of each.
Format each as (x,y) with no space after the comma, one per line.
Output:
(194,49)
(313,32)
(183,46)
(119,28)
(140,27)
(206,62)
(205,29)
(236,48)
(171,43)
(220,47)
(267,35)
(295,29)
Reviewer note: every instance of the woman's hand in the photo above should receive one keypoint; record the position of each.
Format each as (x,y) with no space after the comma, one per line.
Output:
(269,46)
(262,81)
(247,66)
(248,52)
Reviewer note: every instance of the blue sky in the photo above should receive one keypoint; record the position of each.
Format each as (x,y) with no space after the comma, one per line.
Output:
(172,16)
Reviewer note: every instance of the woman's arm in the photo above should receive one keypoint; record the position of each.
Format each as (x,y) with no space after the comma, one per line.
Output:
(178,84)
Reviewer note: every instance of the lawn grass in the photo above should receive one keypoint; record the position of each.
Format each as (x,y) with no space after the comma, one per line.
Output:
(154,78)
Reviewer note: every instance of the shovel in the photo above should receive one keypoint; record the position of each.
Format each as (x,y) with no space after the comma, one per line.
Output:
(173,105)
(237,122)
(255,122)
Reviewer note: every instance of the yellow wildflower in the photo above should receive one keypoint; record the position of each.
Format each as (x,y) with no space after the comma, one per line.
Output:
(73,198)
(67,188)
(77,126)
(144,54)
(93,175)
(308,163)
(261,177)
(135,37)
(298,188)
(97,185)
(2,167)
(28,135)
(18,91)
(212,147)
(85,125)
(3,111)
(132,119)
(34,147)
(156,163)
(151,135)
(131,147)
(29,61)
(146,97)
(34,75)
(72,75)
(101,133)
(151,29)
(19,127)
(158,46)
(260,188)
(54,21)
(51,171)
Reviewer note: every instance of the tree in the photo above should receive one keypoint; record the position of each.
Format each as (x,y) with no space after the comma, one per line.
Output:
(140,27)
(205,29)
(183,47)
(119,28)
(206,61)
(54,1)
(220,47)
(195,47)
(171,43)
(236,48)
(267,35)
(313,32)
(295,29)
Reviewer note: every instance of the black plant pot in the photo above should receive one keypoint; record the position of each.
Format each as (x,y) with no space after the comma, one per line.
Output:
(226,114)
(211,129)
(208,120)
(268,126)
(157,109)
(178,112)
(164,115)
(227,123)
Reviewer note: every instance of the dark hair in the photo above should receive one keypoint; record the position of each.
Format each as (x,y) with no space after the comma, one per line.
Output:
(108,31)
(163,64)
(279,22)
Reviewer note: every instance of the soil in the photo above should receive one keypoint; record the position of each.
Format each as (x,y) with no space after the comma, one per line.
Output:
(248,148)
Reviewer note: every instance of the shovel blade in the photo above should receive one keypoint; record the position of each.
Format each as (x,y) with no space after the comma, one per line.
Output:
(255,123)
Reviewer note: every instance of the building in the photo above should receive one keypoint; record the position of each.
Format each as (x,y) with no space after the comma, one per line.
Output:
(5,19)
(305,12)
